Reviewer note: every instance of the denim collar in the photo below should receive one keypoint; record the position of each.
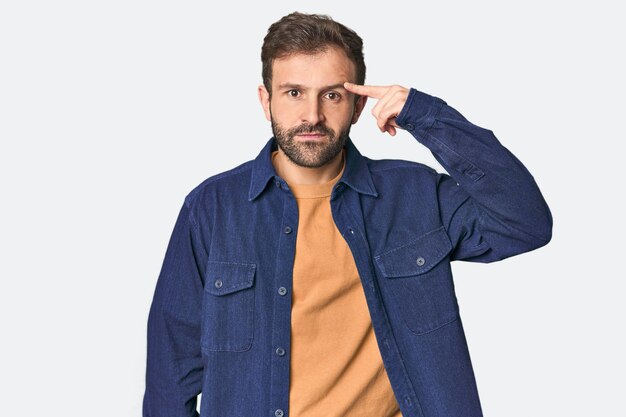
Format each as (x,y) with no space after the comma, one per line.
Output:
(356,173)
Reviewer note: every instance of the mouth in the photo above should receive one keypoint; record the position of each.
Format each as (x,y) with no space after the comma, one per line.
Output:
(311,136)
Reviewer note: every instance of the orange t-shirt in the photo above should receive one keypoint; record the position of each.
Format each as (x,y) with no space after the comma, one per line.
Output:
(336,369)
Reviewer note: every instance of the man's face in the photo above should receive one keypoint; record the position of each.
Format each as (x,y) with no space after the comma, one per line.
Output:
(310,110)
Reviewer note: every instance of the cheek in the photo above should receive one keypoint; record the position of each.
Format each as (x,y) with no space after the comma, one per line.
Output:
(339,118)
(284,113)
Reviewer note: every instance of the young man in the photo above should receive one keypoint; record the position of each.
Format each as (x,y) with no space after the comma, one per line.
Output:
(314,281)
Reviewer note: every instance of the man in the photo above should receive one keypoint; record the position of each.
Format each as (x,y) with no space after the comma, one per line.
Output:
(314,281)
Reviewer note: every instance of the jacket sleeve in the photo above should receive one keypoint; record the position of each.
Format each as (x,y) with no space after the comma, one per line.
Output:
(174,366)
(489,203)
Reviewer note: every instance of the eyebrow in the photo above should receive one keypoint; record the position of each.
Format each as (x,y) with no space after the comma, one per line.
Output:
(301,87)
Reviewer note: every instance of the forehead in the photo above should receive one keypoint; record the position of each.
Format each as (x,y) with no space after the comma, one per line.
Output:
(331,66)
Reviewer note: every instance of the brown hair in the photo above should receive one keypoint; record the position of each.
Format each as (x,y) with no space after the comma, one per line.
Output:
(300,33)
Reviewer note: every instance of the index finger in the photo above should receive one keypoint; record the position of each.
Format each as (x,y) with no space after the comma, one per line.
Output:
(366,90)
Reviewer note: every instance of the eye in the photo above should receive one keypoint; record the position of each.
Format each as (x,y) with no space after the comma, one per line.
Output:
(292,91)
(333,96)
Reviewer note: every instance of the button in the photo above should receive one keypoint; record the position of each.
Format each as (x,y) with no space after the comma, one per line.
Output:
(420,261)
(287,229)
(282,290)
(218,284)
(351,231)
(280,352)
(279,413)
(409,126)
(278,183)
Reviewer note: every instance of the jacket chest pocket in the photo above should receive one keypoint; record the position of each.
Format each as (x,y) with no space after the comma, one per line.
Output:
(228,306)
(420,281)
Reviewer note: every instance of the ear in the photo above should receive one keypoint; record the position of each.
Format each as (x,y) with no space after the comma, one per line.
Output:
(358,108)
(264,98)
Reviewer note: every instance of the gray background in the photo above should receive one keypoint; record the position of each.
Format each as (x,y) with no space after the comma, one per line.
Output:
(112,111)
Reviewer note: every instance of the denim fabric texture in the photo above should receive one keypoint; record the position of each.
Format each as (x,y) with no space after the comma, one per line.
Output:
(219,322)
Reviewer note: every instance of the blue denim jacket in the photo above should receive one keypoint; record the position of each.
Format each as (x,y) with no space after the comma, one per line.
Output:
(220,318)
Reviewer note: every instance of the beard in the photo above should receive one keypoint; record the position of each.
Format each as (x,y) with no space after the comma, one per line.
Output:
(310,153)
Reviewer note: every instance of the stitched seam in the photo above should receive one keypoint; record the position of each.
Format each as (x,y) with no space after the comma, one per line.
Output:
(234,263)
(192,217)
(437,326)
(462,158)
(435,117)
(250,268)
(423,236)
(425,131)
(437,258)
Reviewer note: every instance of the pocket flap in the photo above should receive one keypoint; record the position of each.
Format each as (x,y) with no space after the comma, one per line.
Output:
(417,256)
(227,277)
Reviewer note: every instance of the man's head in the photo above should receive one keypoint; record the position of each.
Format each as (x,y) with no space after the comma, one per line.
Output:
(306,58)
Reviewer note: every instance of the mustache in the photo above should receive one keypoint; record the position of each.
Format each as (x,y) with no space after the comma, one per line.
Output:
(310,129)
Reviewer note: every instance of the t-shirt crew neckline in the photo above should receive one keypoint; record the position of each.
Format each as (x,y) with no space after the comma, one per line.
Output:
(325,189)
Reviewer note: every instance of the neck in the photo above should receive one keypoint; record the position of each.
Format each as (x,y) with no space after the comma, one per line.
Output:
(297,174)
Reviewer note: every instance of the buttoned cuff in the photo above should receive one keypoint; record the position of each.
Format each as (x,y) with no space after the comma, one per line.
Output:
(419,111)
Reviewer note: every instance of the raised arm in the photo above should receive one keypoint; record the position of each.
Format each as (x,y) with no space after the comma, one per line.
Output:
(490,204)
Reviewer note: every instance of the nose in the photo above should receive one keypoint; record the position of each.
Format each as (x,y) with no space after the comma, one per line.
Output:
(312,111)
